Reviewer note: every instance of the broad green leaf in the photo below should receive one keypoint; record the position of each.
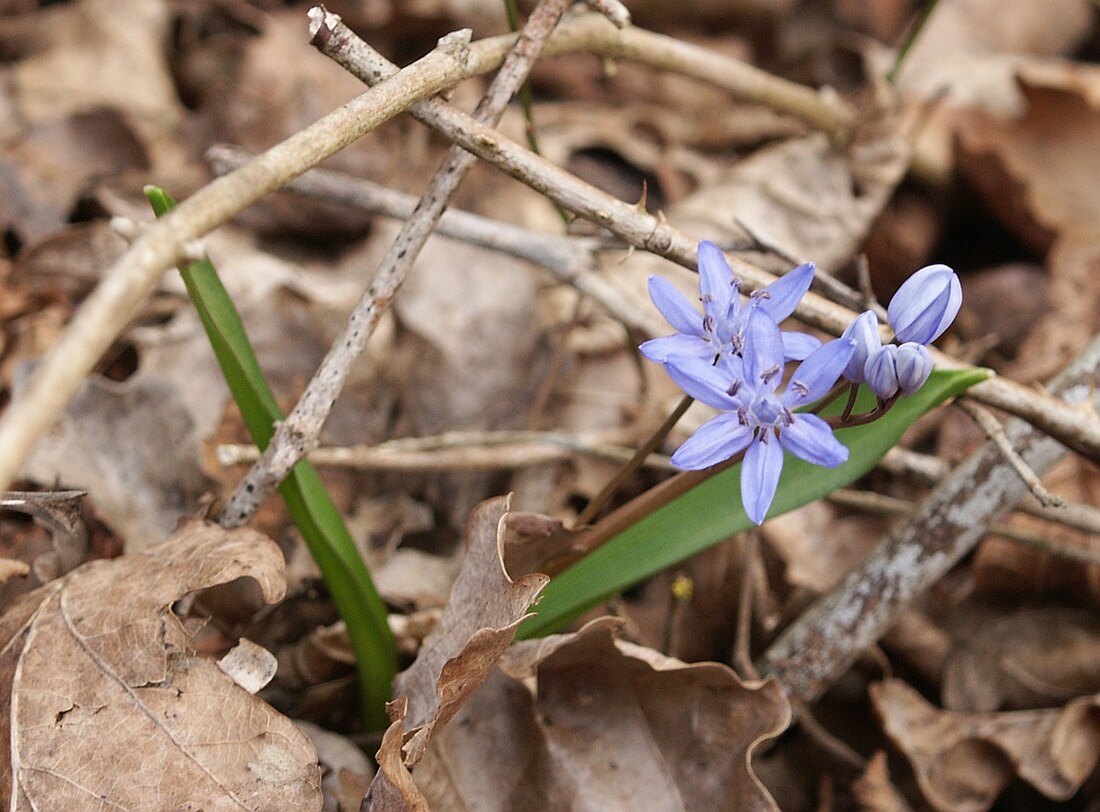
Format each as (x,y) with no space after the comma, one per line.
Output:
(711,511)
(309,504)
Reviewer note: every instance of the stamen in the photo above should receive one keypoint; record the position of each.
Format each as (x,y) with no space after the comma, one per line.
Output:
(800,388)
(770,373)
(738,343)
(743,416)
(786,418)
(734,388)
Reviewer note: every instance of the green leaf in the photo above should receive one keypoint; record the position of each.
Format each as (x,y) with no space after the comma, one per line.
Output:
(308,502)
(711,511)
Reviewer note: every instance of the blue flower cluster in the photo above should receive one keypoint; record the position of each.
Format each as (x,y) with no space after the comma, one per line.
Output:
(733,357)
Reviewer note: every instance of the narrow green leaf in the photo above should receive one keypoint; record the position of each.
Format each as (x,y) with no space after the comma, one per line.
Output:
(309,504)
(711,511)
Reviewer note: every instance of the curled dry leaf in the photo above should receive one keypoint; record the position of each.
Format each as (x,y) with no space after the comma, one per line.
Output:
(873,791)
(611,726)
(106,704)
(392,789)
(478,624)
(963,760)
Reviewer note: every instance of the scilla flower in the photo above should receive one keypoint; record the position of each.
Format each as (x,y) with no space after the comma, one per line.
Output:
(759,411)
(892,369)
(720,329)
(924,306)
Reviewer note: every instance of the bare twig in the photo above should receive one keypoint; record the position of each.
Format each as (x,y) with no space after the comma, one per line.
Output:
(463,450)
(820,645)
(995,432)
(1075,427)
(296,435)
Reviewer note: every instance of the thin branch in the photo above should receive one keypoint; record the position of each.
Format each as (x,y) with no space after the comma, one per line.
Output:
(296,435)
(462,450)
(823,642)
(995,432)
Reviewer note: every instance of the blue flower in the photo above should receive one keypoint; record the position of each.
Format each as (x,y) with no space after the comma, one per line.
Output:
(759,415)
(720,329)
(925,304)
(893,369)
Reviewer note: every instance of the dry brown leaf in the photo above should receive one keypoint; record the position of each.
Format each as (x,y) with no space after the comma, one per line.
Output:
(1036,174)
(611,726)
(60,514)
(132,446)
(392,789)
(106,703)
(1022,658)
(101,53)
(346,770)
(963,760)
(10,567)
(478,624)
(873,791)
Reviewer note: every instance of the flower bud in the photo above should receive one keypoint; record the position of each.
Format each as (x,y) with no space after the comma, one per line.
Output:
(864,331)
(925,304)
(881,372)
(913,365)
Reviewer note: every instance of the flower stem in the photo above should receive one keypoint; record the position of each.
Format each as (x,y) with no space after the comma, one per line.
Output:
(636,462)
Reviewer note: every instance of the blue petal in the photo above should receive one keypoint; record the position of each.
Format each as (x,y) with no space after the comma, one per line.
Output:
(796,346)
(715,279)
(925,304)
(660,349)
(675,307)
(810,438)
(704,382)
(881,371)
(763,350)
(864,330)
(715,441)
(781,297)
(760,476)
(914,365)
(816,375)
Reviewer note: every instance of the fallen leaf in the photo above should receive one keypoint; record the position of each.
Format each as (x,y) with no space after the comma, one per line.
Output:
(10,567)
(1034,172)
(106,704)
(1026,657)
(479,622)
(873,791)
(101,53)
(611,726)
(250,666)
(102,445)
(346,770)
(393,789)
(964,760)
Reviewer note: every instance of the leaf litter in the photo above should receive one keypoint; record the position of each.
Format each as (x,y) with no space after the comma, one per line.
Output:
(984,158)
